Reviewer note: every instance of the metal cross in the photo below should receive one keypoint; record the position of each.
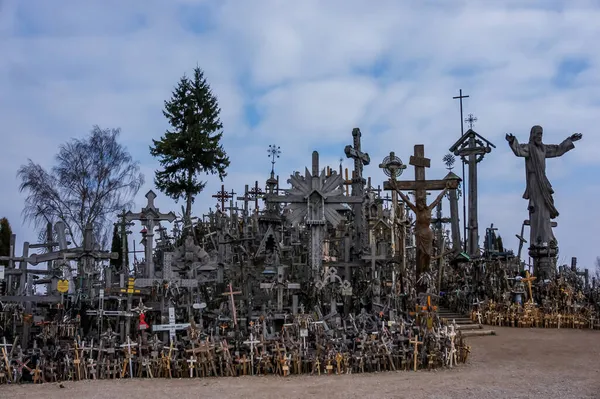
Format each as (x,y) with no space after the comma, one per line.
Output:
(256,193)
(470,119)
(222,196)
(274,151)
(460,98)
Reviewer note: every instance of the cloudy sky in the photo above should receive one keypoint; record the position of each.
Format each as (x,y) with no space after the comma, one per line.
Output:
(301,75)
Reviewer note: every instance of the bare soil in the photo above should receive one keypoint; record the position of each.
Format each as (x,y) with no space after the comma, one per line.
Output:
(517,363)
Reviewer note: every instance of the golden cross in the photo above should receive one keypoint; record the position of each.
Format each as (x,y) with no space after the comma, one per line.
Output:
(528,279)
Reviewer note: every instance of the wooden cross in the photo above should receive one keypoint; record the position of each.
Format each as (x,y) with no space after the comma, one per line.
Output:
(416,343)
(420,186)
(130,290)
(373,257)
(129,355)
(246,198)
(222,196)
(150,215)
(528,279)
(251,342)
(347,182)
(172,327)
(4,346)
(230,293)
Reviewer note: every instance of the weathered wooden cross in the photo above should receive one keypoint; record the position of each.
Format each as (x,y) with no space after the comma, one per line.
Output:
(251,342)
(420,186)
(230,293)
(374,257)
(149,215)
(172,327)
(246,198)
(416,344)
(472,147)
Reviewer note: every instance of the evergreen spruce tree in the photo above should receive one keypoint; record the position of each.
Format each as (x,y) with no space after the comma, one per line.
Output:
(117,246)
(192,145)
(5,233)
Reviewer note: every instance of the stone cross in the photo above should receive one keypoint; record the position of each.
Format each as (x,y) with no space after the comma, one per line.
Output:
(150,215)
(361,159)
(472,147)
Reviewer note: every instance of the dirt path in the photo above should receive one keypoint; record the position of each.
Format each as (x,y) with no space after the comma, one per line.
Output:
(518,363)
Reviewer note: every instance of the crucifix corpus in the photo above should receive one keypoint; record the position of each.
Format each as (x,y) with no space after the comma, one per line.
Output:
(543,244)
(420,186)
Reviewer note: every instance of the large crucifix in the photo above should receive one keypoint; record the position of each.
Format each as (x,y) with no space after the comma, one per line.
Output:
(423,233)
(361,159)
(148,217)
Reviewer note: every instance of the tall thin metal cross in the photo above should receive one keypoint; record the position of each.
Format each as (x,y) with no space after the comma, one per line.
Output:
(462,132)
(470,119)
(460,98)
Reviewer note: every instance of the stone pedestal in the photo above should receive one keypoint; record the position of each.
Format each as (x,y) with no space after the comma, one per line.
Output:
(544,261)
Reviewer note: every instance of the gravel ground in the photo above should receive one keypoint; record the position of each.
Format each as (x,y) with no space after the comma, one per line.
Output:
(517,363)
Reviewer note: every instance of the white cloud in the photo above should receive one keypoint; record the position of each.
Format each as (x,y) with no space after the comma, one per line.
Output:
(312,71)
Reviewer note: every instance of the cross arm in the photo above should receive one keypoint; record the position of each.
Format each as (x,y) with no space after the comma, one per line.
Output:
(342,199)
(426,185)
(473,151)
(285,198)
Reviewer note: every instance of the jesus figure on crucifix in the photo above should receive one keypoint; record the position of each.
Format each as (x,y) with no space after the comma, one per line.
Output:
(423,232)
